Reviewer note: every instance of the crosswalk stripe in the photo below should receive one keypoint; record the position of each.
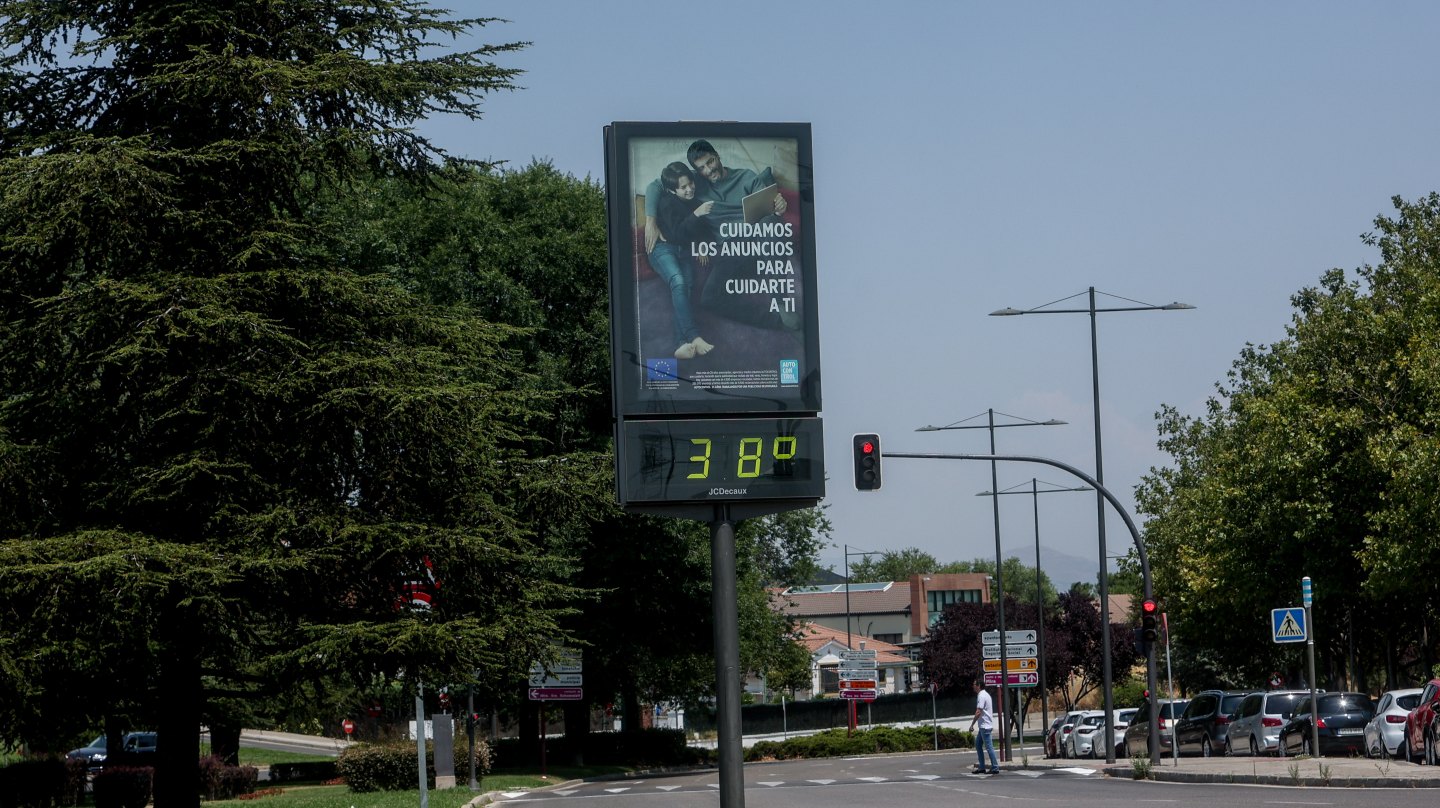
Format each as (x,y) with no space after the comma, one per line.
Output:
(821,782)
(924,777)
(772,783)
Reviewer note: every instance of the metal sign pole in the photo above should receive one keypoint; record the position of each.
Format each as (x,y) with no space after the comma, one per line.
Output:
(727,659)
(1310,652)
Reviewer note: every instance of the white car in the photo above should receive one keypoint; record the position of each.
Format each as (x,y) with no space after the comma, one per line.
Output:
(1083,738)
(1384,731)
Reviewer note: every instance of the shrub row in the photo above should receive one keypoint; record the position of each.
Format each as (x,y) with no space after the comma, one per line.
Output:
(42,783)
(878,740)
(391,766)
(320,770)
(642,748)
(221,781)
(56,782)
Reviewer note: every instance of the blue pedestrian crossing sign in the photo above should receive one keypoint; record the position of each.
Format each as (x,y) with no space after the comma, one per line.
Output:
(1288,625)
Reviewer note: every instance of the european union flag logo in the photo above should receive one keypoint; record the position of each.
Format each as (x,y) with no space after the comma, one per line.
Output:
(789,371)
(661,370)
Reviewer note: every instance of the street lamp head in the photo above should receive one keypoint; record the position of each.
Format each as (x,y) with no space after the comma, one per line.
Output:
(1176,306)
(927,428)
(1006,312)
(1054,422)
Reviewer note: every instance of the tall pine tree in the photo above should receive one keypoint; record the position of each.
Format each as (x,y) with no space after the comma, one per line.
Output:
(226,453)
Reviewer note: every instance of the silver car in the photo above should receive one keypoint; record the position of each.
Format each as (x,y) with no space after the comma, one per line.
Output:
(1087,734)
(1255,729)
(1384,731)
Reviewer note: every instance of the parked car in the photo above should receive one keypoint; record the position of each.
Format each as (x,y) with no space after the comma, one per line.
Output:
(1339,720)
(1418,741)
(1255,729)
(1384,732)
(1055,744)
(1203,727)
(95,753)
(1137,734)
(1052,733)
(1081,742)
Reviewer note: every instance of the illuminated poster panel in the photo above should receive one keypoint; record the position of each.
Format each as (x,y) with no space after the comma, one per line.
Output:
(712,270)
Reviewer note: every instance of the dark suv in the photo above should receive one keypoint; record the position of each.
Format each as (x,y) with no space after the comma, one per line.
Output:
(1203,727)
(136,747)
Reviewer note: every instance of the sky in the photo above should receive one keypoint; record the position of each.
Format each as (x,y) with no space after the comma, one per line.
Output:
(974,156)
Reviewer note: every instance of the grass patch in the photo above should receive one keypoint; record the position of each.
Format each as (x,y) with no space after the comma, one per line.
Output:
(264,757)
(342,797)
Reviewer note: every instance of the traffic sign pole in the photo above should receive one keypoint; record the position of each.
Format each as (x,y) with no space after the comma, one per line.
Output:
(1310,652)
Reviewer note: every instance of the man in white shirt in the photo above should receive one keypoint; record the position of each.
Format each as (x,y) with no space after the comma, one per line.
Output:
(984,740)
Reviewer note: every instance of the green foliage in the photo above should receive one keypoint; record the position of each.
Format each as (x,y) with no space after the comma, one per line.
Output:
(41,783)
(219,781)
(1313,460)
(484,758)
(378,767)
(642,748)
(876,740)
(308,770)
(1019,579)
(123,786)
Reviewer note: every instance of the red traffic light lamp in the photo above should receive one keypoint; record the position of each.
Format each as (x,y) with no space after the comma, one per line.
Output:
(867,461)
(1149,610)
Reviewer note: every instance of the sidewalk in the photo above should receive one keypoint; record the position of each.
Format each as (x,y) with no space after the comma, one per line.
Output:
(1335,772)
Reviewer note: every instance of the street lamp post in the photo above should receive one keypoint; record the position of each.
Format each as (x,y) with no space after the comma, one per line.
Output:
(1035,492)
(1092,310)
(991,426)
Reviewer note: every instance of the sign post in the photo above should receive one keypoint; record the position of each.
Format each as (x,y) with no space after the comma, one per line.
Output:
(1307,598)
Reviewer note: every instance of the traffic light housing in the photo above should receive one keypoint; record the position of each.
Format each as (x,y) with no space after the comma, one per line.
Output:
(867,462)
(1141,646)
(1149,613)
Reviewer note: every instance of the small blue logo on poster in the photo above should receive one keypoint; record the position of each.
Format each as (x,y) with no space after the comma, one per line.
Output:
(789,371)
(660,370)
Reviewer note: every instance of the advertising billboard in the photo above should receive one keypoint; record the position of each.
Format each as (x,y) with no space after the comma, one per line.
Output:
(712,270)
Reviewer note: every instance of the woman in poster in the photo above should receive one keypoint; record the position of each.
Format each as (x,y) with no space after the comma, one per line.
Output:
(682,220)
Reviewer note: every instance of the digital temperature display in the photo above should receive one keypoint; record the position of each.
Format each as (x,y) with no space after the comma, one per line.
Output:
(712,459)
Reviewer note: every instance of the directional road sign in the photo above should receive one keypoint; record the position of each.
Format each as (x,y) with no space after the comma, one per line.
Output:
(867,695)
(1014,664)
(1288,625)
(1011,635)
(558,680)
(556,693)
(1023,679)
(866,654)
(993,651)
(857,684)
(856,673)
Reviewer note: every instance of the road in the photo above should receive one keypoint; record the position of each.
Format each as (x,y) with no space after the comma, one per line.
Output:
(942,779)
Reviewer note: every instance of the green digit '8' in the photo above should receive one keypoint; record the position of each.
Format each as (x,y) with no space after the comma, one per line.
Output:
(750,451)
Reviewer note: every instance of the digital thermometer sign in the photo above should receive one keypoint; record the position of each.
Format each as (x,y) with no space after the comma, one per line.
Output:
(722,459)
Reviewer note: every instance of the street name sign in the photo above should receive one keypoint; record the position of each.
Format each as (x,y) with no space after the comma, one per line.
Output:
(1288,625)
(1014,664)
(993,651)
(556,693)
(1012,635)
(1023,679)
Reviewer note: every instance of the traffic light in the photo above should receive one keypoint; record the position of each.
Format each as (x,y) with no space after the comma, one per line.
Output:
(1141,646)
(1149,611)
(867,462)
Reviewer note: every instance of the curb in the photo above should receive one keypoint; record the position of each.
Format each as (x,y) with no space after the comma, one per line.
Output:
(1231,778)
